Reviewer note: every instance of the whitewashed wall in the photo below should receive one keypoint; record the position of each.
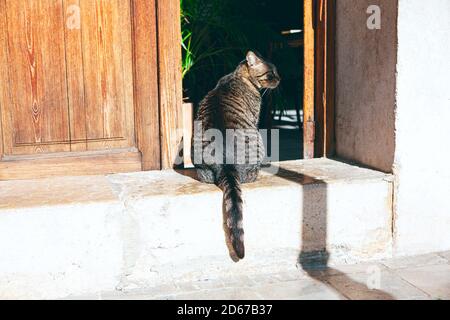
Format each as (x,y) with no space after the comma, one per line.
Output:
(422,151)
(365,83)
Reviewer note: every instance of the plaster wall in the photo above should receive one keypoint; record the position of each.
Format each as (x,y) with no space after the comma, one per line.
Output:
(422,222)
(365,83)
(392,110)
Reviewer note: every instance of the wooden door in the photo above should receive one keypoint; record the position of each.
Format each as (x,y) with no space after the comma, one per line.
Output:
(67,88)
(319,61)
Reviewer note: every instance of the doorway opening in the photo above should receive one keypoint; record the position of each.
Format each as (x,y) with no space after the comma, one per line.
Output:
(216,35)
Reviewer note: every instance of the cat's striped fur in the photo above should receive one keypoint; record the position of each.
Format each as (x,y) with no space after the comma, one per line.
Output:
(235,104)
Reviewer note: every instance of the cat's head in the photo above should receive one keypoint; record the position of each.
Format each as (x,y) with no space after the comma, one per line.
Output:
(262,72)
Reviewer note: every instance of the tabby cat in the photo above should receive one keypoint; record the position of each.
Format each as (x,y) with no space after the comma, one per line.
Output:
(234,104)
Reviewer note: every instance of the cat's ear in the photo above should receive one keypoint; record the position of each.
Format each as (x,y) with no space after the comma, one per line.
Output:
(252,59)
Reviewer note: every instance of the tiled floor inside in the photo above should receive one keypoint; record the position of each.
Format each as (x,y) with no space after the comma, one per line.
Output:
(419,277)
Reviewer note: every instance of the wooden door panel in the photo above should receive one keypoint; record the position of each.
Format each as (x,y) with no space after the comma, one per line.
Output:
(73,92)
(70,88)
(106,51)
(75,78)
(37,117)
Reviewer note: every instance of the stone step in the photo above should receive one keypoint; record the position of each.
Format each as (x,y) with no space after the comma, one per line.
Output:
(69,236)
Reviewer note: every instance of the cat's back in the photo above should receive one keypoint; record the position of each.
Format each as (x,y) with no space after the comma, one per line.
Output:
(212,104)
(230,97)
(224,87)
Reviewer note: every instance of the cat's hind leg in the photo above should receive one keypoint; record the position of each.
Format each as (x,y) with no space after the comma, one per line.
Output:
(205,175)
(249,174)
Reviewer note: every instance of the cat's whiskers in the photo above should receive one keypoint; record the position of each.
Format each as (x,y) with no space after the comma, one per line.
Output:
(264,92)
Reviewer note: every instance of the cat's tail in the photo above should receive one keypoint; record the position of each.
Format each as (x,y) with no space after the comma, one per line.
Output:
(232,208)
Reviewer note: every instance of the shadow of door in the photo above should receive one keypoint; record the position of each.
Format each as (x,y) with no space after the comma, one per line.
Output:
(314,255)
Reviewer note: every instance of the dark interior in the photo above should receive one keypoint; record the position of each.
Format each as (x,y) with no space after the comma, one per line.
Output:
(216,36)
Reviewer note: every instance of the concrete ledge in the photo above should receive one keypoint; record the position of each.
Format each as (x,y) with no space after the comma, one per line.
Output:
(82,235)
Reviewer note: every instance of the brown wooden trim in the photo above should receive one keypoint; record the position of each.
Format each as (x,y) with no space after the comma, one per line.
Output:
(4,79)
(74,164)
(1,133)
(309,83)
(330,137)
(324,77)
(320,75)
(146,96)
(170,83)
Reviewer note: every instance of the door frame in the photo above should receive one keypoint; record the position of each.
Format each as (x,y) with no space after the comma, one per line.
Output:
(158,90)
(158,95)
(319,78)
(157,81)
